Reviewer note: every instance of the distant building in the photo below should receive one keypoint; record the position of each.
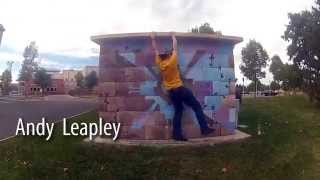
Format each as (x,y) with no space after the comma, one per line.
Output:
(57,85)
(69,79)
(69,76)
(30,88)
(62,82)
(55,73)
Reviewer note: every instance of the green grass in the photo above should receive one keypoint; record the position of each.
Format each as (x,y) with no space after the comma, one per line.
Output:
(288,148)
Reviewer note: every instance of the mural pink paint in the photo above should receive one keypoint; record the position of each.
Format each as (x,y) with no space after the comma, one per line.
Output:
(130,88)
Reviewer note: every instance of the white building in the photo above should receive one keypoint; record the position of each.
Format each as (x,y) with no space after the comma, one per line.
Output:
(55,73)
(70,81)
(69,76)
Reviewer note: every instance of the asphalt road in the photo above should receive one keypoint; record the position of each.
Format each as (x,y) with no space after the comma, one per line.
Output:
(52,109)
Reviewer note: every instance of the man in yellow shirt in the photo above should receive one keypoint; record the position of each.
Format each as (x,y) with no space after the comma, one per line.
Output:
(179,95)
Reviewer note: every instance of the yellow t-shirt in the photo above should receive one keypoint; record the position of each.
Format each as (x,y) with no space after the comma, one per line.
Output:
(170,71)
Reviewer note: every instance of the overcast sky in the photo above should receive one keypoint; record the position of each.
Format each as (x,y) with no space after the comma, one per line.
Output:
(62,28)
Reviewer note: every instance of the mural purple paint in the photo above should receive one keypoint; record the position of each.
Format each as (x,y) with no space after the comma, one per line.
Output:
(130,87)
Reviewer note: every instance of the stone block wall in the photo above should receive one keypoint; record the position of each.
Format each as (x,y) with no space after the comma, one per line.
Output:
(131,93)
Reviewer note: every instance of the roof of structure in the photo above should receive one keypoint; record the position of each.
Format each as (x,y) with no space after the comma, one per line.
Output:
(232,39)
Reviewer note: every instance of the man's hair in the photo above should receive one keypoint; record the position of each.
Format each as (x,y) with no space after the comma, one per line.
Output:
(166,54)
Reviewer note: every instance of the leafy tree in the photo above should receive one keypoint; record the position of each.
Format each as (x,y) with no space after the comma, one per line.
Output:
(204,28)
(29,66)
(254,59)
(91,80)
(292,78)
(274,85)
(303,34)
(251,87)
(6,79)
(260,87)
(276,68)
(79,79)
(42,78)
(286,74)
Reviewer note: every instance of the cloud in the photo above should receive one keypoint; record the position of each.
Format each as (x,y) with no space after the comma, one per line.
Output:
(78,52)
(65,60)
(63,28)
(181,15)
(47,60)
(6,56)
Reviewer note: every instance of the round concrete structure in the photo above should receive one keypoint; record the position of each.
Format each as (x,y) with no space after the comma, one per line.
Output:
(130,87)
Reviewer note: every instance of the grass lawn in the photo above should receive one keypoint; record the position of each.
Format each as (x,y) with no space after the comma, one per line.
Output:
(288,148)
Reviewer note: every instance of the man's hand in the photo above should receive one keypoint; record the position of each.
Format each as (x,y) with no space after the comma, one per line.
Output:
(174,41)
(153,35)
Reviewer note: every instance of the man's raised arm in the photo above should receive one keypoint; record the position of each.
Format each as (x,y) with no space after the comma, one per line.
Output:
(174,42)
(153,42)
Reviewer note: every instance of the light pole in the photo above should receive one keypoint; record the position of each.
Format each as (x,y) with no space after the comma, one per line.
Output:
(1,32)
(9,64)
(243,86)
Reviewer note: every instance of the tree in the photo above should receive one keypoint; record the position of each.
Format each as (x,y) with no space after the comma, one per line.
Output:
(204,28)
(303,34)
(29,66)
(291,78)
(252,86)
(286,74)
(276,68)
(42,78)
(91,80)
(274,85)
(254,59)
(6,79)
(79,79)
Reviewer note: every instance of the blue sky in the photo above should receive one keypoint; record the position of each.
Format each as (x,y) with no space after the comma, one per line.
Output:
(62,29)
(50,60)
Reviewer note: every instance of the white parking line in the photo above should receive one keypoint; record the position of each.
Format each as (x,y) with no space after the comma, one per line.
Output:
(1,101)
(10,100)
(79,114)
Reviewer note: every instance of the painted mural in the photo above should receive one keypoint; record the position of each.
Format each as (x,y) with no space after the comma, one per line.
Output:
(131,93)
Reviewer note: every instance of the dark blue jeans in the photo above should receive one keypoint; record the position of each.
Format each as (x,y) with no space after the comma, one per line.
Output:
(180,96)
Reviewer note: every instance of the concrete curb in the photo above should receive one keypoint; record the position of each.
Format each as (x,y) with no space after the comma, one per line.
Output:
(238,136)
(7,138)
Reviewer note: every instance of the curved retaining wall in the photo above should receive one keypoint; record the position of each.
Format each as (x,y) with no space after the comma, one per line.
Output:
(130,87)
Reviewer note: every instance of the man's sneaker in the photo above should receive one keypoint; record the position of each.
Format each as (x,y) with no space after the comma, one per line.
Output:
(207,131)
(180,138)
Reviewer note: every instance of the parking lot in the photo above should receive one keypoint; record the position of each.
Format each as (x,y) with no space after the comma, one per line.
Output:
(53,108)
